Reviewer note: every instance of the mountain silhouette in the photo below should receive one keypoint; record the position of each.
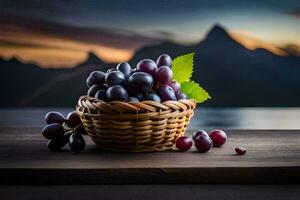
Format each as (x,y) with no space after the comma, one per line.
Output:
(233,75)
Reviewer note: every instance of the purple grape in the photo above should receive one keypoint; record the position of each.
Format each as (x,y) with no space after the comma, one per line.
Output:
(114,78)
(59,142)
(132,71)
(73,119)
(76,143)
(180,96)
(240,150)
(54,117)
(116,93)
(175,86)
(124,68)
(164,75)
(184,143)
(148,66)
(52,131)
(152,97)
(96,77)
(139,82)
(203,143)
(100,94)
(164,60)
(133,99)
(218,137)
(92,90)
(198,133)
(166,93)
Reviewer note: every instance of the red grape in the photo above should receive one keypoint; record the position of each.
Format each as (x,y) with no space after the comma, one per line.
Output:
(166,93)
(198,133)
(164,60)
(73,119)
(218,137)
(116,93)
(54,117)
(164,75)
(184,143)
(148,66)
(203,143)
(175,86)
(240,150)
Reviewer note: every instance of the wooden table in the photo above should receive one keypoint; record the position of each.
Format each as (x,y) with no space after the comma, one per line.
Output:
(28,170)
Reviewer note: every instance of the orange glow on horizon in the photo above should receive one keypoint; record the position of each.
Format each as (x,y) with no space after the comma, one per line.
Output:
(247,40)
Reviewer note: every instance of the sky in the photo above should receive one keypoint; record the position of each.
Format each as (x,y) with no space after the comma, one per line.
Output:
(60,33)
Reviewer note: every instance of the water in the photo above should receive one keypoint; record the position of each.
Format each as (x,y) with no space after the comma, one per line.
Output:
(205,118)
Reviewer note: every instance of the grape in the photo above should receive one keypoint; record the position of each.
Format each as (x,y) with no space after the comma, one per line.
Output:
(175,86)
(96,77)
(73,119)
(92,90)
(100,94)
(181,96)
(148,66)
(57,143)
(152,97)
(164,75)
(198,133)
(164,60)
(76,143)
(184,143)
(133,99)
(52,131)
(203,143)
(124,68)
(240,150)
(218,137)
(140,82)
(116,93)
(54,117)
(111,70)
(166,93)
(114,78)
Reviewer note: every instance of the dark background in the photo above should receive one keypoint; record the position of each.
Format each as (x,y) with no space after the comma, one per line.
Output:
(246,52)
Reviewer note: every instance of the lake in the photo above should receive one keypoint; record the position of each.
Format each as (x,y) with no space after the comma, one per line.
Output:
(207,118)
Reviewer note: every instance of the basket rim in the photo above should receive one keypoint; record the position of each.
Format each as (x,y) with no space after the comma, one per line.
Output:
(86,103)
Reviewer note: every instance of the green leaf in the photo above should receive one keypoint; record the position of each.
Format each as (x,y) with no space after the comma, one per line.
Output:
(194,91)
(182,67)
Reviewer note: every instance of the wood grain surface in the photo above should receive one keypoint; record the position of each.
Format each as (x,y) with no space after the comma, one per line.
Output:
(272,157)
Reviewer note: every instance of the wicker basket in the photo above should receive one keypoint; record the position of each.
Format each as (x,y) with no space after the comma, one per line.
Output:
(136,126)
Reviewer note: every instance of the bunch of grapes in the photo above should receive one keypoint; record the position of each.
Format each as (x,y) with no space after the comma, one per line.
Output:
(149,81)
(60,131)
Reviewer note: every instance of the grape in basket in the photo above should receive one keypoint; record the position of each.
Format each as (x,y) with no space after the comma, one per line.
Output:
(149,81)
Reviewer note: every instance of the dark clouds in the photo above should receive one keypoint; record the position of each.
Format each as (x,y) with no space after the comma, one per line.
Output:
(294,12)
(115,38)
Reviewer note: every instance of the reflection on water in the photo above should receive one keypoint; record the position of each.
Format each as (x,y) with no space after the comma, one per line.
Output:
(205,118)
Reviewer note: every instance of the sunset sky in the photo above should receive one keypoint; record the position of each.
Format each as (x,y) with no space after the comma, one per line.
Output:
(60,33)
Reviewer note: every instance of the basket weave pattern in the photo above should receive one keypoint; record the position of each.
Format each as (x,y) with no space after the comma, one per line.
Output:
(135,126)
